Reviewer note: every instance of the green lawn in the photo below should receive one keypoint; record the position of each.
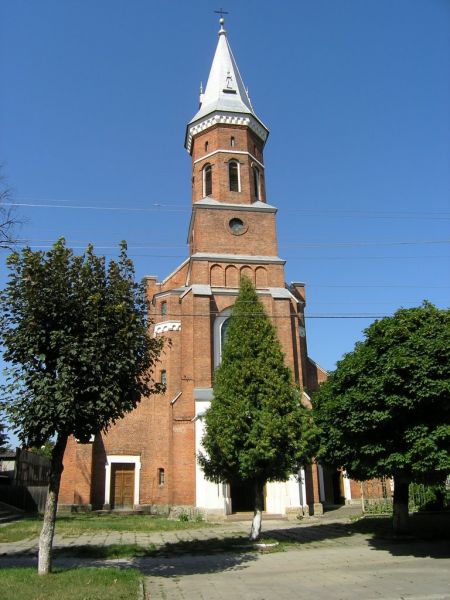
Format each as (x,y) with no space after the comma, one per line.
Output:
(71,526)
(76,584)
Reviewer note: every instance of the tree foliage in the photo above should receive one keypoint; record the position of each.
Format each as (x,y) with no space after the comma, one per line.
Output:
(76,339)
(256,427)
(385,410)
(80,356)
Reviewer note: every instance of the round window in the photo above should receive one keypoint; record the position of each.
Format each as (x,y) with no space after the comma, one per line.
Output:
(237,226)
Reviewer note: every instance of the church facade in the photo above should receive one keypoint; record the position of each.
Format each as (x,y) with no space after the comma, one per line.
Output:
(148,459)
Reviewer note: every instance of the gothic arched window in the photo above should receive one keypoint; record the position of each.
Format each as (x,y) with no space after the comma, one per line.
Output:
(223,333)
(233,172)
(207,180)
(256,183)
(221,324)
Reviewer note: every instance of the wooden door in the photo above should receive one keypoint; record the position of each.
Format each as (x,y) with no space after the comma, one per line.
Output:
(122,485)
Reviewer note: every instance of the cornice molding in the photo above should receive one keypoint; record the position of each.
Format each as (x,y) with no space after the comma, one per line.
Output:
(238,258)
(225,118)
(225,151)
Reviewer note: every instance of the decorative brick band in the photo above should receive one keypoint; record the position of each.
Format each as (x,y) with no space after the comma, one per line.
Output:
(228,119)
(167,326)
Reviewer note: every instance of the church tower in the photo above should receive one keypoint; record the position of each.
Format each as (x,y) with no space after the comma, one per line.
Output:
(232,233)
(148,459)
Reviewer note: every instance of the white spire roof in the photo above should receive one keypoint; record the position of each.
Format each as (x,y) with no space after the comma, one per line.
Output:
(225,90)
(225,99)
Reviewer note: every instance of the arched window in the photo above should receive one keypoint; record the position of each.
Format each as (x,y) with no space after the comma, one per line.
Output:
(232,141)
(221,324)
(207,180)
(233,172)
(256,183)
(223,333)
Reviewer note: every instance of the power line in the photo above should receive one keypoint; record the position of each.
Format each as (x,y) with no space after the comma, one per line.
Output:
(162,207)
(214,313)
(40,243)
(380,285)
(306,258)
(182,256)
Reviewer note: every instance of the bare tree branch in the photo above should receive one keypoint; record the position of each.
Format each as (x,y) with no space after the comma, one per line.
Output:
(8,221)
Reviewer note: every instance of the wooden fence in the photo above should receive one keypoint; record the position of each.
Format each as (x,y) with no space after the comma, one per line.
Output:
(27,489)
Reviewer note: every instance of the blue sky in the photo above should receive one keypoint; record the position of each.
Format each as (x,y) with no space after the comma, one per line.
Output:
(96,96)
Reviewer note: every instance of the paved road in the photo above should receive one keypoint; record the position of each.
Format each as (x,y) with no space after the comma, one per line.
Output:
(333,562)
(361,572)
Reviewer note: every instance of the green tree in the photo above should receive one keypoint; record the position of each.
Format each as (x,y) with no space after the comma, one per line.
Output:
(45,450)
(76,340)
(255,428)
(385,410)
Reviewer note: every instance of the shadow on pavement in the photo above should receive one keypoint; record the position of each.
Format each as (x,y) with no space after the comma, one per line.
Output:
(189,564)
(429,536)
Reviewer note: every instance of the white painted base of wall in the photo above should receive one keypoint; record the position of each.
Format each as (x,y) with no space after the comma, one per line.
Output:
(280,496)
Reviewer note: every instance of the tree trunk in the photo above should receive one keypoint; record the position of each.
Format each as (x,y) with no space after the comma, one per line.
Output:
(48,528)
(255,531)
(401,497)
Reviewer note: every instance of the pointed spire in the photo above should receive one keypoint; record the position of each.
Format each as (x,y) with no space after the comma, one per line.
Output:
(225,89)
(225,96)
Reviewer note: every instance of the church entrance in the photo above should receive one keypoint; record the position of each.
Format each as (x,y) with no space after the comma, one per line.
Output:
(242,497)
(338,488)
(122,485)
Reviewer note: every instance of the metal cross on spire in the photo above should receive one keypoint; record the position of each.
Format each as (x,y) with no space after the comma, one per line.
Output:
(221,12)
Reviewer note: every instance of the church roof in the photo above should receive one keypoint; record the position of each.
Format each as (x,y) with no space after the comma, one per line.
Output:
(225,91)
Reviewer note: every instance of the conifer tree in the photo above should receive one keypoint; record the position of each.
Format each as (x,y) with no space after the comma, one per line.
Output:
(256,428)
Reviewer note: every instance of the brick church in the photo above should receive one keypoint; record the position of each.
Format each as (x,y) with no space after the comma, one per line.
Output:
(147,461)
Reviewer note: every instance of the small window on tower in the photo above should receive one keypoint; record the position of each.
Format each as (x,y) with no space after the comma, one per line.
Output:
(164,377)
(163,309)
(206,146)
(161,477)
(207,180)
(232,142)
(233,171)
(256,183)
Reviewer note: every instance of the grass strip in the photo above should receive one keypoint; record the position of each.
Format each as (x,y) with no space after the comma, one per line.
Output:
(75,525)
(76,584)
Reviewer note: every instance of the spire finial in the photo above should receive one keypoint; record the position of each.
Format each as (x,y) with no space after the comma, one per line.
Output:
(221,12)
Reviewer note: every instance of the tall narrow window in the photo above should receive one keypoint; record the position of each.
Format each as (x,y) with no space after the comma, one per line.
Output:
(223,333)
(233,172)
(207,180)
(163,309)
(206,146)
(164,377)
(256,183)
(232,141)
(161,477)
